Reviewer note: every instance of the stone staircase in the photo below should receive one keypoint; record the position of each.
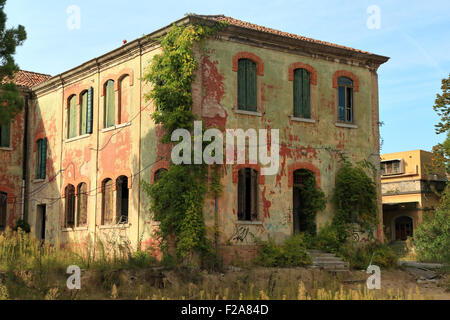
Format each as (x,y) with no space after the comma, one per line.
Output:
(328,261)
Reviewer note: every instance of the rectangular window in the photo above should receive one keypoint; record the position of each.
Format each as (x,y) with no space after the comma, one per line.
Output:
(247,98)
(392,167)
(5,132)
(3,202)
(41,158)
(302,102)
(345,99)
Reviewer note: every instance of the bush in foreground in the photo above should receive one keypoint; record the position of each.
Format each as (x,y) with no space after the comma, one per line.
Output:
(292,253)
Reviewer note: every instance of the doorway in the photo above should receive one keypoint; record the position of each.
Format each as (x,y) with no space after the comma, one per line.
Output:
(403,228)
(40,221)
(304,218)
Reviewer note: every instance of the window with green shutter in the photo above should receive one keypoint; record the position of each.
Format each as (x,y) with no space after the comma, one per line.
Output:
(302,100)
(41,158)
(86,111)
(247,88)
(83,113)
(345,99)
(5,133)
(72,118)
(110,107)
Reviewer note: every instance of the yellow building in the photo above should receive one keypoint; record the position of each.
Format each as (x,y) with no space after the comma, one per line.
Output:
(408,185)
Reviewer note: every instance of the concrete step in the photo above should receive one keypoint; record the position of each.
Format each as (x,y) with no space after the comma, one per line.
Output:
(328,261)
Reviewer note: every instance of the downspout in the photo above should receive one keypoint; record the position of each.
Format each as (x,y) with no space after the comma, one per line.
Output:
(140,148)
(24,212)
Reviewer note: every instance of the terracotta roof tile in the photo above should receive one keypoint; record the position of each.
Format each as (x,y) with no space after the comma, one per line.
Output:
(28,79)
(256,27)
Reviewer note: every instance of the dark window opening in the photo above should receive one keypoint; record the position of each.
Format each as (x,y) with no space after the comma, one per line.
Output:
(70,206)
(5,133)
(122,199)
(403,228)
(247,194)
(107,202)
(3,207)
(304,217)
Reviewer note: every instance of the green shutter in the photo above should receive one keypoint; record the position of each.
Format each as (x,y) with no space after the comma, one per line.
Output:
(242,84)
(90,110)
(306,105)
(109,104)
(5,131)
(43,158)
(83,113)
(251,86)
(302,100)
(72,118)
(297,93)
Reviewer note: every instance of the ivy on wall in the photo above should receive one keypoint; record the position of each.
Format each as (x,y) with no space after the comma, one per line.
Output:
(177,197)
(355,198)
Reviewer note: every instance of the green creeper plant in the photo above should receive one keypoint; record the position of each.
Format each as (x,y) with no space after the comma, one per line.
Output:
(177,198)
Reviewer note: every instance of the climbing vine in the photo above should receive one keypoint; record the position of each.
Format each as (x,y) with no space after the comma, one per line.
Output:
(355,198)
(178,196)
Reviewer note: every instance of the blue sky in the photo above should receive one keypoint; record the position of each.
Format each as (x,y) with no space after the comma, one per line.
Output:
(414,34)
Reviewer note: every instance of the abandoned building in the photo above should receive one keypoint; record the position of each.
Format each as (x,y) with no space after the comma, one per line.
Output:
(410,187)
(89,138)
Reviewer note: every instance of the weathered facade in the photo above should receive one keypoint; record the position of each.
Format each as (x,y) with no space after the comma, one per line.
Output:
(12,156)
(101,141)
(410,187)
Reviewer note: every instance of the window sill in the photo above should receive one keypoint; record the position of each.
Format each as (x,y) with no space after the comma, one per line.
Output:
(115,226)
(75,229)
(38,180)
(122,125)
(303,120)
(6,149)
(249,222)
(346,125)
(248,113)
(78,138)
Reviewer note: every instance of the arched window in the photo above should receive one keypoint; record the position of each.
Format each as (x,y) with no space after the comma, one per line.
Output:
(124,99)
(345,92)
(110,104)
(70,206)
(82,198)
(122,199)
(107,202)
(3,207)
(247,194)
(158,174)
(302,101)
(86,111)
(247,89)
(72,117)
(41,158)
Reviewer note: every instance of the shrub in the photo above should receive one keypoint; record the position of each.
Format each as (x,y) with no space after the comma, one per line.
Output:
(22,224)
(432,237)
(361,255)
(292,253)
(328,239)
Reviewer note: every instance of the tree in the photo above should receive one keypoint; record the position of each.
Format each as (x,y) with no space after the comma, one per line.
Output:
(10,100)
(442,107)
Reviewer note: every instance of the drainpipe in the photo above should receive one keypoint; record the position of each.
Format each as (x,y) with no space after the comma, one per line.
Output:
(24,212)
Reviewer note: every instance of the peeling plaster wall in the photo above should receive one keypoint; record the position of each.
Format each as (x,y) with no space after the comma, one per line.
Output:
(133,148)
(11,172)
